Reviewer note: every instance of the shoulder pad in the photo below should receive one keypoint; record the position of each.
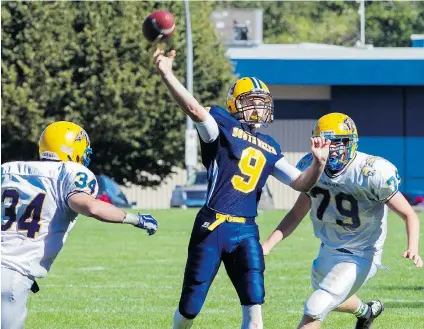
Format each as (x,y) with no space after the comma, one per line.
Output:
(79,179)
(222,116)
(272,142)
(376,164)
(384,178)
(73,167)
(369,166)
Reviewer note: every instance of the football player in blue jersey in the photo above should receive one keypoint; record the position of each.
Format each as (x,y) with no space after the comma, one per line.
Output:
(239,160)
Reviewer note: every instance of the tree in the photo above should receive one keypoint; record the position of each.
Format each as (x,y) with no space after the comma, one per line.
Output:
(304,21)
(388,23)
(88,62)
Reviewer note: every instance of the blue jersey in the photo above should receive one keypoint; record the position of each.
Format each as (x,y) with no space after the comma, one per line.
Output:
(239,162)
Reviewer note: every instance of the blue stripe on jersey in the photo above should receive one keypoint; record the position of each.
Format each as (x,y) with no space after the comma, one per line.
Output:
(255,83)
(214,179)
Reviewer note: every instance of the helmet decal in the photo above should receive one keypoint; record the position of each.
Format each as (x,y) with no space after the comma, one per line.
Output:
(348,124)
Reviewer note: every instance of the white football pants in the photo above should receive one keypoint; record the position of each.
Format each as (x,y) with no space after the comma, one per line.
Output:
(336,277)
(15,289)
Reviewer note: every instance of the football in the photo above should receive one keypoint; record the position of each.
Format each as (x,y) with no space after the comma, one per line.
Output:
(159,25)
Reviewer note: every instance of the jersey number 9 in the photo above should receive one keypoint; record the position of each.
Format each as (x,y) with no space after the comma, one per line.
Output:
(251,164)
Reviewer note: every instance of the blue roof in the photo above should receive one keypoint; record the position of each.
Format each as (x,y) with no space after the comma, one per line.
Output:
(307,64)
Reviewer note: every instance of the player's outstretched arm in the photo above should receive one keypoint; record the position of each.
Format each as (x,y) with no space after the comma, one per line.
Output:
(181,95)
(86,205)
(400,206)
(205,123)
(289,223)
(319,148)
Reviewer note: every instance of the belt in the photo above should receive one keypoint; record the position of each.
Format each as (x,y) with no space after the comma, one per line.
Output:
(345,251)
(221,218)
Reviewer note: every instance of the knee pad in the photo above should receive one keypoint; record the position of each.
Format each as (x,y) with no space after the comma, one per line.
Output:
(189,309)
(188,315)
(319,305)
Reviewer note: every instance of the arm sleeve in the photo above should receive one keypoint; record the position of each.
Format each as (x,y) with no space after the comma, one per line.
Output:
(305,162)
(285,172)
(208,130)
(385,181)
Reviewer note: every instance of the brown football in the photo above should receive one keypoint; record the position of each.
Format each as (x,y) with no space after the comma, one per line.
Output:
(158,25)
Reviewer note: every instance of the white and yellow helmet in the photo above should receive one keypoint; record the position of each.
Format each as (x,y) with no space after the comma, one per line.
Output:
(65,141)
(241,97)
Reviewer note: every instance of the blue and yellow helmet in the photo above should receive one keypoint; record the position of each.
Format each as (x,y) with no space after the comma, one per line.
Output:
(338,127)
(241,98)
(65,141)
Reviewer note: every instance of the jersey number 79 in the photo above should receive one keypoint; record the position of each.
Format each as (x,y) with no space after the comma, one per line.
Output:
(350,212)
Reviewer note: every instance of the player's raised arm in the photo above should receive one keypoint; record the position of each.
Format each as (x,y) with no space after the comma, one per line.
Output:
(205,123)
(181,95)
(289,223)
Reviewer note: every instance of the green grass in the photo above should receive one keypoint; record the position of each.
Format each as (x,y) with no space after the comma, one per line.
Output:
(112,276)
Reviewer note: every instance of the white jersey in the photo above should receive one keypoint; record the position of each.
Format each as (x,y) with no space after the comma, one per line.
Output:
(36,218)
(348,209)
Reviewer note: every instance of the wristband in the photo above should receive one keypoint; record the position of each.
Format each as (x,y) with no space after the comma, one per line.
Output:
(130,219)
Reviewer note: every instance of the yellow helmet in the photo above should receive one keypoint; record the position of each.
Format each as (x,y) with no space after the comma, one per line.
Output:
(338,127)
(65,141)
(241,98)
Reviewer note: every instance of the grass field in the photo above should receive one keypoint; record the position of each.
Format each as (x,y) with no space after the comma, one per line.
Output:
(111,276)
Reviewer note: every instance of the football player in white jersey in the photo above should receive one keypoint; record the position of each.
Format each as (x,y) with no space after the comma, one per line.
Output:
(348,208)
(40,204)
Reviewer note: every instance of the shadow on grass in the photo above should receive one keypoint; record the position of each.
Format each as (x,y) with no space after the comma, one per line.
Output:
(400,287)
(401,304)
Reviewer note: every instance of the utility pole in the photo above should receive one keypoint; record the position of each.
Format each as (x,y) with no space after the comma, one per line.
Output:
(190,133)
(361,13)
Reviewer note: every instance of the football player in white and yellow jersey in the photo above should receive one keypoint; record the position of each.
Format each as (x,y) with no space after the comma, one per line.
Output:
(40,204)
(348,208)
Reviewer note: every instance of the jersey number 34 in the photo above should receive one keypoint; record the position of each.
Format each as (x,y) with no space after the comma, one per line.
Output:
(30,219)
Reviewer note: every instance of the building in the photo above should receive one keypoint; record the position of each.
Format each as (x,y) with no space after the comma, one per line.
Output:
(382,89)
